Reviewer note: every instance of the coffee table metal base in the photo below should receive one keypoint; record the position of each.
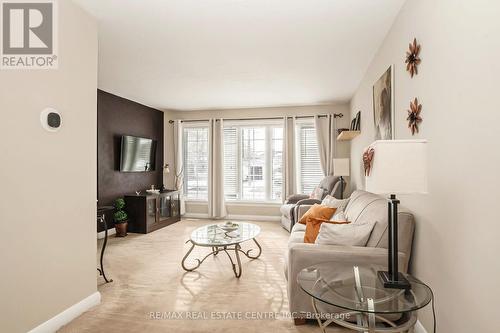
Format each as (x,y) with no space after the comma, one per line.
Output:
(236,264)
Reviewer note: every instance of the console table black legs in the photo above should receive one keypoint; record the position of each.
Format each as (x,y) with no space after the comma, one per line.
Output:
(101,217)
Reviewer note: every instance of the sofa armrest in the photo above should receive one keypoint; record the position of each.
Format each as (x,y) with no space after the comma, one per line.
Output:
(302,255)
(301,210)
(294,198)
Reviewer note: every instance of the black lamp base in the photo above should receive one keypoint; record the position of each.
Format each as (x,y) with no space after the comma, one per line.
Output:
(388,282)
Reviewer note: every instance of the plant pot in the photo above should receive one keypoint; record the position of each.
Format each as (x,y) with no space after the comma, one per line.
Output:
(121,229)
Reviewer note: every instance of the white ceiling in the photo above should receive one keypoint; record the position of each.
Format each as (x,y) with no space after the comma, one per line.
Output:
(210,54)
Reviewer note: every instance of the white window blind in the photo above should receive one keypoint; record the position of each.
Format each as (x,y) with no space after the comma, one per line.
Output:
(231,179)
(309,164)
(252,162)
(277,163)
(195,150)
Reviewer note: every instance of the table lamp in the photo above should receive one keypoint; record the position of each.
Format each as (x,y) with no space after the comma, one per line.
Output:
(398,167)
(341,169)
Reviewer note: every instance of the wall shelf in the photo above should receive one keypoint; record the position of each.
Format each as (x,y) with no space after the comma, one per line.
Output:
(348,135)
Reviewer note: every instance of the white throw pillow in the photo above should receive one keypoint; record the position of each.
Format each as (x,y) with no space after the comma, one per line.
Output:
(333,202)
(344,234)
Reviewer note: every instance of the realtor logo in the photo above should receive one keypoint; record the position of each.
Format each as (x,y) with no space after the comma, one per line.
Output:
(28,34)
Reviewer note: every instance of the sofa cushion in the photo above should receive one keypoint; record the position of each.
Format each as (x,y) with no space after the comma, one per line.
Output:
(359,202)
(367,207)
(344,234)
(328,183)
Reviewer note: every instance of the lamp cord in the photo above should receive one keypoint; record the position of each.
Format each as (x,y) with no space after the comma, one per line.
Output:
(432,304)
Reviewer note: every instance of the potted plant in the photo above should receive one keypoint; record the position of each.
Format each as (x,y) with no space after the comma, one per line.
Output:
(121,218)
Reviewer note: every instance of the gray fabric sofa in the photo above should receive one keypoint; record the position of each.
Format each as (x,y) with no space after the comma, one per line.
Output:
(329,184)
(363,207)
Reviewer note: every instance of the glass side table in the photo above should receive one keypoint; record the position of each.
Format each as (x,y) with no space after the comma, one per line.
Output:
(364,304)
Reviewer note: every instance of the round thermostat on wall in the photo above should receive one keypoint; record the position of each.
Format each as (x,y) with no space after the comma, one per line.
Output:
(51,120)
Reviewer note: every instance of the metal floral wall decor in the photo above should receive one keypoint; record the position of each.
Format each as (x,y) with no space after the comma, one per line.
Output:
(414,118)
(412,58)
(367,160)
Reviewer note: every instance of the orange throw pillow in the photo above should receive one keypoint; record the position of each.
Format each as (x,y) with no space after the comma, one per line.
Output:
(318,212)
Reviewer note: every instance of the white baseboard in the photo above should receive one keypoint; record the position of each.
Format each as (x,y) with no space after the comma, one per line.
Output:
(236,217)
(100,235)
(195,216)
(419,328)
(63,318)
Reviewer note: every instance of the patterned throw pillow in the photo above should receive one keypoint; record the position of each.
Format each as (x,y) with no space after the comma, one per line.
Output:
(317,193)
(339,204)
(333,202)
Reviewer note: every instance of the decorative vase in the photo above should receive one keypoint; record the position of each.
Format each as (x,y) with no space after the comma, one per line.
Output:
(121,229)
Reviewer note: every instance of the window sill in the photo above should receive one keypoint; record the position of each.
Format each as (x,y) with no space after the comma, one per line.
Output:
(195,202)
(253,203)
(237,203)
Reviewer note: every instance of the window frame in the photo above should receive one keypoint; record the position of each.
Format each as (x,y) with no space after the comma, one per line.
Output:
(267,171)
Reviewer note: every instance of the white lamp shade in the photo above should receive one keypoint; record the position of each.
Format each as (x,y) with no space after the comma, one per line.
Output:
(398,167)
(341,167)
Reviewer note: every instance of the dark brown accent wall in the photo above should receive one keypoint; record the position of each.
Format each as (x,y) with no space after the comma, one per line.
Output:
(118,116)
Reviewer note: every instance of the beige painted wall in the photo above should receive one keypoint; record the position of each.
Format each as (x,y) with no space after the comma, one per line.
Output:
(48,181)
(238,209)
(456,242)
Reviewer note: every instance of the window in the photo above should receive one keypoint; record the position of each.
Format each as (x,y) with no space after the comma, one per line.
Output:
(309,170)
(195,150)
(253,162)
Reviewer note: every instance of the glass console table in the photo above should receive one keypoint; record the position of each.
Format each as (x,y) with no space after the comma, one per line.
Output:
(360,301)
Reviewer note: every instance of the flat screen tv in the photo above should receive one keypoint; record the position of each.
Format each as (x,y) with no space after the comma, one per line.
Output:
(137,154)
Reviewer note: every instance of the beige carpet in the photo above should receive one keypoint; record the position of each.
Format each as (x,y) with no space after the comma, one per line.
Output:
(148,278)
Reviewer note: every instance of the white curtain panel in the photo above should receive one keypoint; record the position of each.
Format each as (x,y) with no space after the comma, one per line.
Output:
(178,164)
(289,167)
(216,200)
(325,128)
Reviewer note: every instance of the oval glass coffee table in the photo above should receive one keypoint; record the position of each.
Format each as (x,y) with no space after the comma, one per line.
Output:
(362,303)
(219,239)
